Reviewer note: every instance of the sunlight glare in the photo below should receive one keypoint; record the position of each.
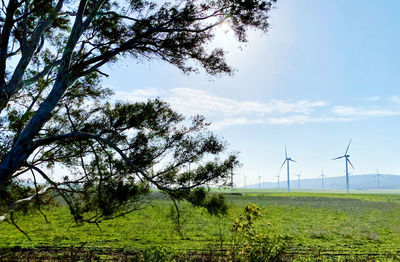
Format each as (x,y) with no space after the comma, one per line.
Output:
(225,26)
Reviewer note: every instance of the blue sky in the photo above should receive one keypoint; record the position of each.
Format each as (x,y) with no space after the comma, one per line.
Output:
(326,72)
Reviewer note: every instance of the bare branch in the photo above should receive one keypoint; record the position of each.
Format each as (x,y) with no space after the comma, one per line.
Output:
(19,229)
(18,203)
(37,197)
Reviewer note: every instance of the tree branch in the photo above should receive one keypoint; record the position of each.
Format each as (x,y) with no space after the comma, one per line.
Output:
(42,74)
(19,229)
(5,38)
(16,79)
(82,135)
(33,197)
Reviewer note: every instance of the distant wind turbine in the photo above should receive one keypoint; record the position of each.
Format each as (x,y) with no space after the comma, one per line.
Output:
(245,182)
(347,168)
(298,179)
(259,182)
(322,176)
(278,180)
(378,176)
(287,160)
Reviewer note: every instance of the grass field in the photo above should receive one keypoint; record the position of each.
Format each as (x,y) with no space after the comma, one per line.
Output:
(316,226)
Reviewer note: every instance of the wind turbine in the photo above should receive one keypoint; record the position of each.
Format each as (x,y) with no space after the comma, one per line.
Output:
(259,182)
(378,176)
(245,182)
(322,179)
(347,168)
(298,179)
(287,160)
(278,180)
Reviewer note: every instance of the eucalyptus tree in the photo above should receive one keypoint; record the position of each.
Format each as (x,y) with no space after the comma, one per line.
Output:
(54,111)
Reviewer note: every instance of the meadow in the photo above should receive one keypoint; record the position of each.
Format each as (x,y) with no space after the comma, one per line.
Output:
(313,227)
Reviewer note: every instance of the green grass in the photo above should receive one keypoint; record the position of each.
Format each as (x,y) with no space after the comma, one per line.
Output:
(314,222)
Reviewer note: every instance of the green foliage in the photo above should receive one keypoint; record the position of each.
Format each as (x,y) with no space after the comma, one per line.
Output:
(157,254)
(16,190)
(103,185)
(247,242)
(214,203)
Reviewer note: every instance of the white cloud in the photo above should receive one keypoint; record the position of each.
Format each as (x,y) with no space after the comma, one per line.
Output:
(395,99)
(372,98)
(224,112)
(362,112)
(344,110)
(193,101)
(304,119)
(241,121)
(140,94)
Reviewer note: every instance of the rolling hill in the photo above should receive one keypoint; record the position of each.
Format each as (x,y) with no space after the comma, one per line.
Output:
(358,182)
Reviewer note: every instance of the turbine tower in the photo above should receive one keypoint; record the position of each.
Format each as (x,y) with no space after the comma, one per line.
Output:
(259,182)
(278,180)
(322,176)
(298,179)
(287,160)
(378,176)
(346,156)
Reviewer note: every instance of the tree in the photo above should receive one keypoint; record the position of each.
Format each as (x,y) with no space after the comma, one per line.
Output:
(54,111)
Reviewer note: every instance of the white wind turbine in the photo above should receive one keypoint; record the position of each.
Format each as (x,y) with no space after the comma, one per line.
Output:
(322,176)
(278,178)
(378,176)
(287,160)
(298,179)
(346,156)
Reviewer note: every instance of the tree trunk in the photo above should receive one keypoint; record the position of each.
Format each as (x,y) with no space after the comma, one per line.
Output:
(23,146)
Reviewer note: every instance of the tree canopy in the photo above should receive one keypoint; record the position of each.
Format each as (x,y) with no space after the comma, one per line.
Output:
(55,112)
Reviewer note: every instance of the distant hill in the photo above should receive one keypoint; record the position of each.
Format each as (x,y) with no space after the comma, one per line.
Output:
(358,182)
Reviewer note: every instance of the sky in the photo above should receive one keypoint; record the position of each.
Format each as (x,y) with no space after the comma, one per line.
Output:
(325,73)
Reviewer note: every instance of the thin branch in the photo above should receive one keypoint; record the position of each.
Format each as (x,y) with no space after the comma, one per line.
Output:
(19,229)
(51,182)
(43,73)
(19,202)
(82,135)
(178,215)
(37,197)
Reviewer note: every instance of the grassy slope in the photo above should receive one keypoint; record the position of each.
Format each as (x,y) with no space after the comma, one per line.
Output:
(344,223)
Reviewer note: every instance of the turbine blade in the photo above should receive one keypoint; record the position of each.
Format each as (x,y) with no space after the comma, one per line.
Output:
(338,157)
(293,160)
(285,152)
(347,149)
(350,163)
(283,163)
